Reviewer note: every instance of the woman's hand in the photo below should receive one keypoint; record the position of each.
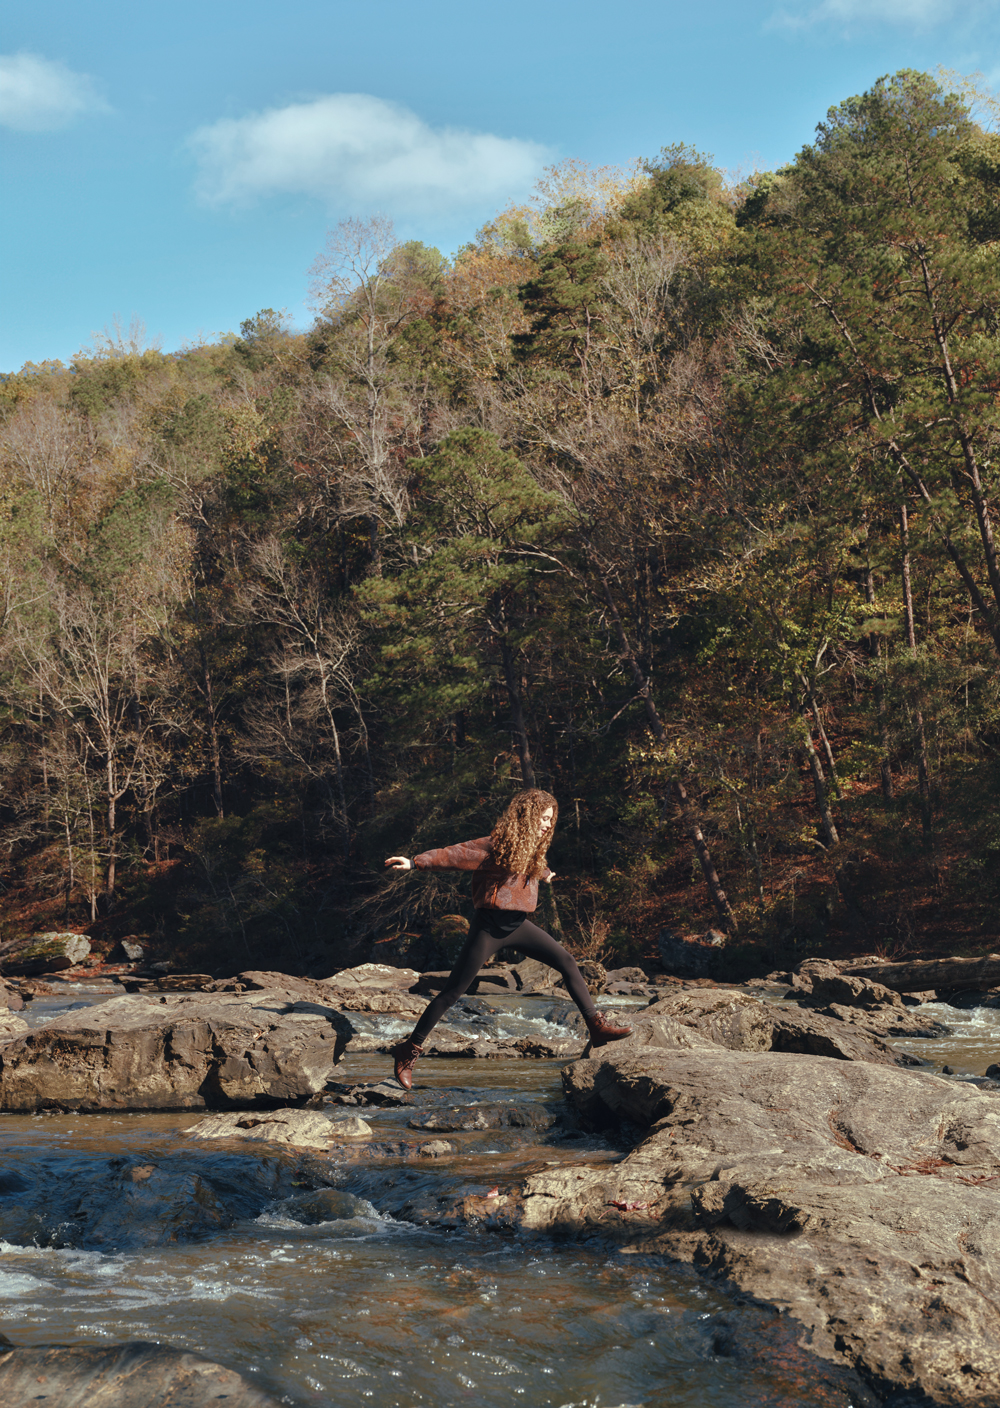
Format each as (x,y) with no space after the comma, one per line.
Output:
(400,863)
(550,877)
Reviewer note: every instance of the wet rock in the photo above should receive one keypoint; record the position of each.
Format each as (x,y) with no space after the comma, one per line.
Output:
(492,1116)
(436,1149)
(132,1375)
(302,1129)
(177,1051)
(856,1197)
(383,1092)
(541,1048)
(993,1072)
(43,953)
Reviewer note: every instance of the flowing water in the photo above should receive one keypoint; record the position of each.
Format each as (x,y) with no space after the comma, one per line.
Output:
(308,1274)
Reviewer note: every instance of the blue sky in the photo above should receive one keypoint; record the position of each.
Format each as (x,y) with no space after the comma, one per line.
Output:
(181,163)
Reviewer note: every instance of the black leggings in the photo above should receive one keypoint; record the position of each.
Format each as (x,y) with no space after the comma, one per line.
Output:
(486,937)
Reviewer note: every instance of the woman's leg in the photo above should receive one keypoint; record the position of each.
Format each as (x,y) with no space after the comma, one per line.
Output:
(536,943)
(478,947)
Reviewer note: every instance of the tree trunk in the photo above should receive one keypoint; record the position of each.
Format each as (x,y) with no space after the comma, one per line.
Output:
(827,825)
(701,850)
(517,723)
(874,647)
(923,777)
(213,732)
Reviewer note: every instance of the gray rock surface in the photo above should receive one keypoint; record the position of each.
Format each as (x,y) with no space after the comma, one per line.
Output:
(179,1051)
(741,1022)
(133,1375)
(11,1026)
(300,1129)
(859,1198)
(43,953)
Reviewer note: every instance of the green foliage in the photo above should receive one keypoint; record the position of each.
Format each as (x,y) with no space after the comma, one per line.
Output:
(657,482)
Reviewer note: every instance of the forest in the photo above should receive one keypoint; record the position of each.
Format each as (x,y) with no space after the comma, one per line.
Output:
(670,493)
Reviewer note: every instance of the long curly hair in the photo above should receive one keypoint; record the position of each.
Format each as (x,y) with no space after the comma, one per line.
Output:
(518,846)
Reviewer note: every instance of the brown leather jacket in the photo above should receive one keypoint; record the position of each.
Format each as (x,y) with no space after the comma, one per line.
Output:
(492,886)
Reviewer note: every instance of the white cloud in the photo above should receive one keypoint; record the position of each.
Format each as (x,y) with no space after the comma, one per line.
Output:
(363,153)
(915,14)
(41,95)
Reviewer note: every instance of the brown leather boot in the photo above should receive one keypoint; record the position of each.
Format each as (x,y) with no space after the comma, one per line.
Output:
(601,1030)
(406,1054)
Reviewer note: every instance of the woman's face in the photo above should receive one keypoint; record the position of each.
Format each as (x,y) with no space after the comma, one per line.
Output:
(545,821)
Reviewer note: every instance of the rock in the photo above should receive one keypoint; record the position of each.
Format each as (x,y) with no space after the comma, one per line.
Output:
(741,1022)
(11,1025)
(941,974)
(540,1048)
(688,958)
(303,1129)
(381,977)
(352,1127)
(486,1116)
(858,1198)
(853,992)
(128,950)
(10,999)
(43,953)
(993,1072)
(132,1375)
(529,974)
(383,1092)
(436,1149)
(500,978)
(626,975)
(178,1051)
(398,1004)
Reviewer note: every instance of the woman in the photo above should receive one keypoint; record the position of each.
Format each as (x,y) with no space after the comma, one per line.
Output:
(506,868)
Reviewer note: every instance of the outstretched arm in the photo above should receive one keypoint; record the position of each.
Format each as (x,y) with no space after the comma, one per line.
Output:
(400,863)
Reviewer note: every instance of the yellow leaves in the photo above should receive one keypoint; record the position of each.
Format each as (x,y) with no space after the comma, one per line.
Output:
(246,432)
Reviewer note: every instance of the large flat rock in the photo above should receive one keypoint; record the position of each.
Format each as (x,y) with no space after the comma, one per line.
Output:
(133,1375)
(43,953)
(859,1198)
(178,1051)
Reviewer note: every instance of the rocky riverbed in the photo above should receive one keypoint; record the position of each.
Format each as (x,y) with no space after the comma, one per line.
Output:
(791,1150)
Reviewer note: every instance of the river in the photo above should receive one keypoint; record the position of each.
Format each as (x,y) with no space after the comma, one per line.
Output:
(329,1296)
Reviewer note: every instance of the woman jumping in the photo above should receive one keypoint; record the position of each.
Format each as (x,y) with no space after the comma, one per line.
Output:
(507,866)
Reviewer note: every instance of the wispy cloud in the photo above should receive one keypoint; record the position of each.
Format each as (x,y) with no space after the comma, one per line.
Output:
(919,14)
(360,152)
(42,95)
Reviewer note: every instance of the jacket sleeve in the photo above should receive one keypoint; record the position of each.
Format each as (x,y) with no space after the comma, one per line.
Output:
(467,855)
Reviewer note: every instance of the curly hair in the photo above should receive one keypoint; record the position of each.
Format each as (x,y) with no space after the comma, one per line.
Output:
(518,845)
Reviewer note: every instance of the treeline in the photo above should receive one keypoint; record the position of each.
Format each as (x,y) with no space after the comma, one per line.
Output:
(671,496)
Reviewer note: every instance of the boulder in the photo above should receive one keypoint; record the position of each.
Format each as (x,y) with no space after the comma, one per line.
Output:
(486,1116)
(380,977)
(178,1051)
(858,1198)
(132,1375)
(128,950)
(43,953)
(302,1129)
(741,1022)
(690,958)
